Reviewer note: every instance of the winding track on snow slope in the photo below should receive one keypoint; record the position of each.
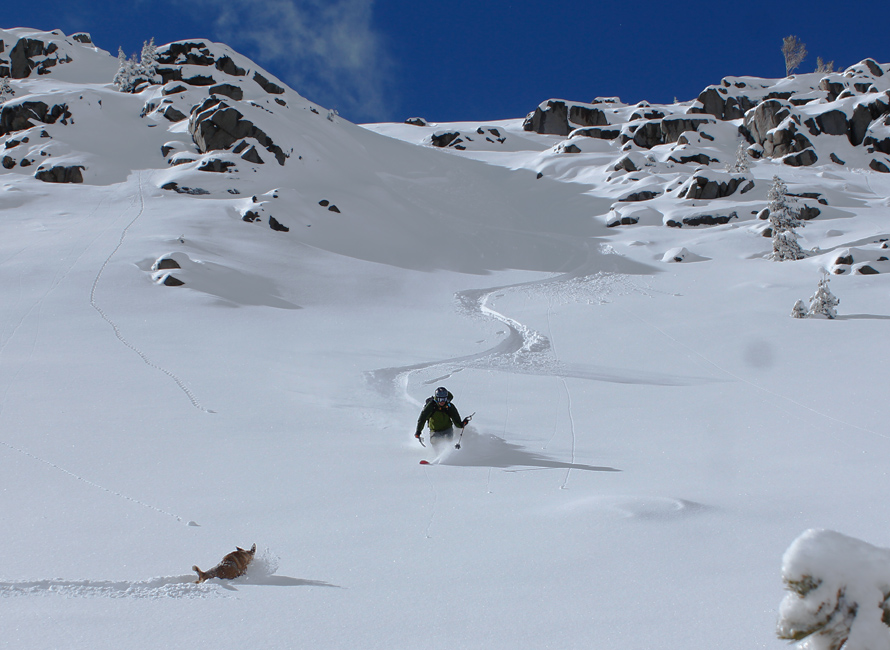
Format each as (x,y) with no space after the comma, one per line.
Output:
(140,199)
(525,350)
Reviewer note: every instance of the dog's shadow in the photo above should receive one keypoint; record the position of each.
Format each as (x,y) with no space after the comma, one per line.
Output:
(273,581)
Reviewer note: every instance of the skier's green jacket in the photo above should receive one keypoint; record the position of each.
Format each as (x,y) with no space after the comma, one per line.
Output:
(440,418)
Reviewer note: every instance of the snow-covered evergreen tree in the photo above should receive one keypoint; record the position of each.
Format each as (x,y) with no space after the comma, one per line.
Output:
(133,71)
(6,91)
(148,63)
(127,72)
(823,302)
(741,164)
(799,310)
(783,219)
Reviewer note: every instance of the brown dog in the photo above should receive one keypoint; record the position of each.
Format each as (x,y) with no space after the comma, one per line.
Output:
(233,565)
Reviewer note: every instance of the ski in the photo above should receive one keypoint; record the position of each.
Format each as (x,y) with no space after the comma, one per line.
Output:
(425,462)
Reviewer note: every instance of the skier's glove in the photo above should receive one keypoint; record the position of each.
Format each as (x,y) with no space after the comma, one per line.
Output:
(464,424)
(417,435)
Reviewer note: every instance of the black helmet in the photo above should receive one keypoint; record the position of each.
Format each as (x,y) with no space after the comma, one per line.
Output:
(441,395)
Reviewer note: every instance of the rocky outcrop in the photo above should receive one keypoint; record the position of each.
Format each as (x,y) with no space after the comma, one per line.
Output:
(865,115)
(458,140)
(854,101)
(764,118)
(226,65)
(696,158)
(697,220)
(703,187)
(61,174)
(716,101)
(217,126)
(230,91)
(804,158)
(174,114)
(597,132)
(274,224)
(558,117)
(172,57)
(657,132)
(775,127)
(268,86)
(445,139)
(175,187)
(186,53)
(30,54)
(833,122)
(626,164)
(169,280)
(20,116)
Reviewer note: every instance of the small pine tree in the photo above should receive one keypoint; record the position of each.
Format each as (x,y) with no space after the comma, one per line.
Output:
(741,165)
(6,91)
(794,52)
(148,64)
(127,72)
(134,71)
(823,302)
(799,310)
(783,218)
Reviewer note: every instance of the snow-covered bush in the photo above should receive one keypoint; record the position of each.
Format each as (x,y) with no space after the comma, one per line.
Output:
(799,310)
(783,219)
(839,593)
(823,302)
(6,91)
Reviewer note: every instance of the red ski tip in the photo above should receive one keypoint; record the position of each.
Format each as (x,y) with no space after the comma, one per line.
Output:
(424,462)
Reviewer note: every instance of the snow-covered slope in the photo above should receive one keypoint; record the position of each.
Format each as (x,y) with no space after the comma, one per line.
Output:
(222,307)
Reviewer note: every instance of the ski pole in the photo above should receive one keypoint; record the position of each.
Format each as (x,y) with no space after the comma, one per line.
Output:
(466,422)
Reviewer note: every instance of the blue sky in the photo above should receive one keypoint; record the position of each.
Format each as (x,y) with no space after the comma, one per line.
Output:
(453,60)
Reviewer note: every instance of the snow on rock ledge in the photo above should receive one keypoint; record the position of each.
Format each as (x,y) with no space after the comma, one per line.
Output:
(839,593)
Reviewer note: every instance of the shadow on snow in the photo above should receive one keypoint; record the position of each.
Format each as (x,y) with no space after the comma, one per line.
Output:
(488,450)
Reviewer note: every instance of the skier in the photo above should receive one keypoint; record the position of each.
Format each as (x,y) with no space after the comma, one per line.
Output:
(441,414)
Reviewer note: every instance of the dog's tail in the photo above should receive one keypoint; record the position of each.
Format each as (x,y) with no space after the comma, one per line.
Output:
(201,575)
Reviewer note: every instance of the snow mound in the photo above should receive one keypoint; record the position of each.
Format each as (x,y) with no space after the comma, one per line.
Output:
(634,507)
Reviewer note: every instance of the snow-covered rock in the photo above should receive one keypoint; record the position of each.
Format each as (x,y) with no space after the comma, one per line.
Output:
(839,593)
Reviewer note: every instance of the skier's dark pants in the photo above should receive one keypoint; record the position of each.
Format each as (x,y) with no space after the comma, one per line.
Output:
(445,434)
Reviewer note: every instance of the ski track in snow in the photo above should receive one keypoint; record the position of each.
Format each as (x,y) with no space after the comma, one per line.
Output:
(140,198)
(36,307)
(95,485)
(524,350)
(568,393)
